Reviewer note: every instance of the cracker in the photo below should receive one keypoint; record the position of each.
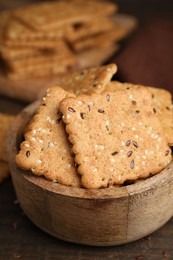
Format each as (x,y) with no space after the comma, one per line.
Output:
(16,30)
(164,110)
(104,39)
(162,105)
(34,43)
(4,171)
(89,80)
(5,122)
(116,137)
(61,56)
(87,29)
(53,14)
(4,16)
(56,67)
(18,53)
(46,150)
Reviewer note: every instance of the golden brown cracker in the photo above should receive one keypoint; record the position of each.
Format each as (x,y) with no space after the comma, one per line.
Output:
(89,80)
(46,150)
(87,29)
(162,105)
(116,136)
(164,110)
(53,14)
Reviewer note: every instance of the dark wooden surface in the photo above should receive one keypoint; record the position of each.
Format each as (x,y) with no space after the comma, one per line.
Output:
(20,239)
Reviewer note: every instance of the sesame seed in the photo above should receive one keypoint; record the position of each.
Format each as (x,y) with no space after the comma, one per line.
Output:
(131,96)
(54,181)
(112,169)
(96,146)
(102,147)
(39,161)
(77,92)
(95,170)
(40,141)
(33,170)
(143,163)
(146,152)
(107,122)
(133,128)
(33,139)
(84,90)
(68,116)
(50,144)
(34,131)
(159,139)
(122,124)
(144,157)
(136,136)
(123,143)
(27,145)
(113,160)
(44,99)
(140,123)
(79,102)
(121,151)
(68,166)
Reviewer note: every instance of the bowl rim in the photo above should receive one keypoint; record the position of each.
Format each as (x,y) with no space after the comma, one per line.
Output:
(104,193)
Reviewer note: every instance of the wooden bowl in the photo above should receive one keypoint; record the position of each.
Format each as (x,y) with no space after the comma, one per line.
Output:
(103,217)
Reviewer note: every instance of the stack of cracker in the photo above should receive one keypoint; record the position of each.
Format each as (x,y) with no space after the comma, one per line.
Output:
(53,38)
(113,133)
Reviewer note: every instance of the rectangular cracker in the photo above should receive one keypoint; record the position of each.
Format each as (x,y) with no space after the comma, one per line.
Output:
(89,80)
(5,122)
(99,40)
(46,150)
(48,69)
(35,43)
(17,53)
(162,105)
(116,137)
(16,31)
(53,14)
(163,108)
(87,29)
(4,17)
(4,171)
(61,55)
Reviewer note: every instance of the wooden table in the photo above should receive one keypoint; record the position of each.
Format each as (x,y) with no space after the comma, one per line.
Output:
(20,239)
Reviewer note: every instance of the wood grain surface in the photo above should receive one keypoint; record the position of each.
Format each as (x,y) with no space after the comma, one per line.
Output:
(21,239)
